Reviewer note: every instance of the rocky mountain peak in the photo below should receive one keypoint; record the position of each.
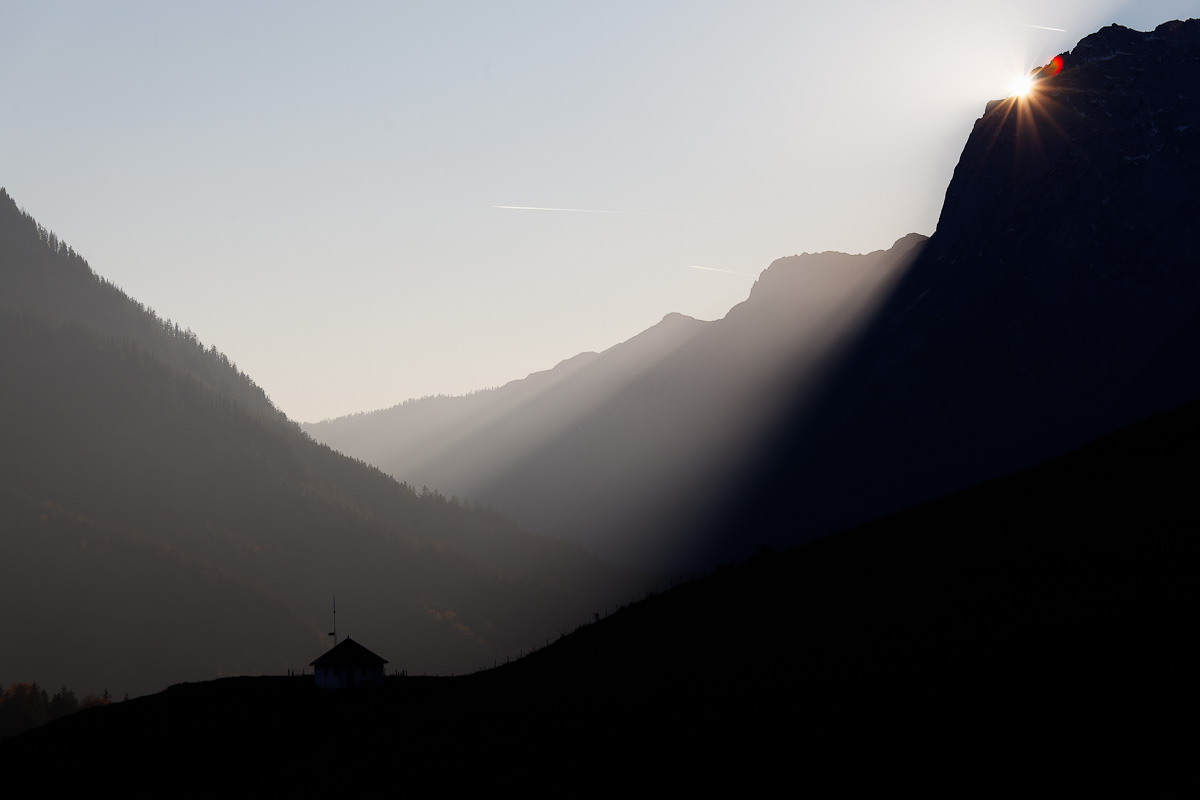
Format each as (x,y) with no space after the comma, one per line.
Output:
(1057,300)
(1114,120)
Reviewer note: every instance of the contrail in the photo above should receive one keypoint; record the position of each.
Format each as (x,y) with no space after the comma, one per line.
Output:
(714,269)
(589,211)
(1044,28)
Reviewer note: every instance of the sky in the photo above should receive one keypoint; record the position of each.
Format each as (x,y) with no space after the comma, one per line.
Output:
(343,197)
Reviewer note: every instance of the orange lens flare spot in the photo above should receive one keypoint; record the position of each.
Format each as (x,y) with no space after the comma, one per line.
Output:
(1023,86)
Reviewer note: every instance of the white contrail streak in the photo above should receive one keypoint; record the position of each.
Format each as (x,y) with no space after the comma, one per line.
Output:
(1044,28)
(588,211)
(714,269)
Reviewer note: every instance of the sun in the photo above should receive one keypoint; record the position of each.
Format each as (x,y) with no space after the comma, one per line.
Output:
(1023,86)
(1020,86)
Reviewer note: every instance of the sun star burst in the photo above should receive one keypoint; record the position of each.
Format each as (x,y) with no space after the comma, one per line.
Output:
(1020,86)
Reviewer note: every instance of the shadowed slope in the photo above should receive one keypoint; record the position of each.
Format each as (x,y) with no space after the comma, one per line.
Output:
(124,611)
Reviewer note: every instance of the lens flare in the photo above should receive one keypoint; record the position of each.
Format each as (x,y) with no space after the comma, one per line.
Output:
(1023,86)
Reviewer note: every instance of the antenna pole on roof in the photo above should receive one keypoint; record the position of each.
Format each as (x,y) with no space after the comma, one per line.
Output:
(333,633)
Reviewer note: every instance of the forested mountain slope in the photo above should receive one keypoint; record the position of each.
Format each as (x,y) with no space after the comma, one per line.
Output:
(121,440)
(42,273)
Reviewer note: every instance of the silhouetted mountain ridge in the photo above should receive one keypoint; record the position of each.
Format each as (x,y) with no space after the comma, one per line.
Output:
(623,451)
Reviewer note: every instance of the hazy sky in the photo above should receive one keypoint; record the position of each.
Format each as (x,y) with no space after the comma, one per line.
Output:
(312,187)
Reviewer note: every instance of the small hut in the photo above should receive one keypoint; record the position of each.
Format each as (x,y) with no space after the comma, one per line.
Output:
(348,665)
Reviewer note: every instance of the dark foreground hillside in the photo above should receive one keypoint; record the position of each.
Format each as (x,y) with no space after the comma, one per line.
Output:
(1032,635)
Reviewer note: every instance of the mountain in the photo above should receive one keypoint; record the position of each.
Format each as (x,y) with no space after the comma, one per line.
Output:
(161,520)
(1055,302)
(1033,630)
(1059,299)
(625,451)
